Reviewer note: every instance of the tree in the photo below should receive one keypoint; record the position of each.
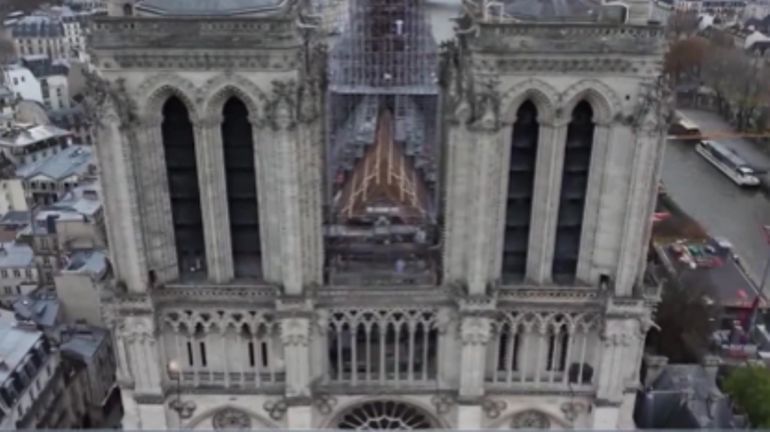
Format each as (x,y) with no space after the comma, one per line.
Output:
(683,318)
(685,57)
(750,389)
(682,23)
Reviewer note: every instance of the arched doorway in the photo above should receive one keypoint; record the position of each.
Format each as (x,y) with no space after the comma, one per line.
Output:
(385,415)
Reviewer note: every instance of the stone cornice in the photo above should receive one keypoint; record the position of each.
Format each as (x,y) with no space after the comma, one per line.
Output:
(194,32)
(202,59)
(566,38)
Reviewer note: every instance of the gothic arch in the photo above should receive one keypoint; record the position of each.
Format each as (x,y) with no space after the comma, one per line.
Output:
(542,94)
(217,90)
(603,100)
(433,422)
(257,421)
(157,89)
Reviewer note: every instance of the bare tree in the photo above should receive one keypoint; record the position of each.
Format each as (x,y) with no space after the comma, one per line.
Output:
(685,58)
(682,24)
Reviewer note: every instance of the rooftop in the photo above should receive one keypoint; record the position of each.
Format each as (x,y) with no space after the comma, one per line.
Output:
(15,343)
(550,9)
(42,308)
(84,199)
(24,134)
(207,7)
(15,217)
(71,161)
(92,262)
(37,26)
(43,66)
(15,255)
(81,341)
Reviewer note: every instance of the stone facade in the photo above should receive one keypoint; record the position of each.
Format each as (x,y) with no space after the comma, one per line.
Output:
(289,351)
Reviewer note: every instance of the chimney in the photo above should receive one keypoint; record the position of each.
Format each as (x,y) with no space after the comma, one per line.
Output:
(655,365)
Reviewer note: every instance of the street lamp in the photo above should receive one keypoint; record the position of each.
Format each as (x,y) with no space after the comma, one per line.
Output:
(184,409)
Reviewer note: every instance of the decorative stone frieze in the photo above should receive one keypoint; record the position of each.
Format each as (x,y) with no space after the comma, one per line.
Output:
(475,330)
(493,407)
(531,420)
(443,402)
(198,60)
(565,66)
(276,408)
(563,38)
(231,419)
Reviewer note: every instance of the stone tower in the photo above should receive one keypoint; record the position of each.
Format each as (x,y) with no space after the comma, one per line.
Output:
(491,279)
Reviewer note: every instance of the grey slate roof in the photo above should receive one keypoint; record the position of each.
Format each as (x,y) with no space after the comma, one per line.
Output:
(15,255)
(684,396)
(92,262)
(207,7)
(41,308)
(37,27)
(82,342)
(70,161)
(550,9)
(15,343)
(42,66)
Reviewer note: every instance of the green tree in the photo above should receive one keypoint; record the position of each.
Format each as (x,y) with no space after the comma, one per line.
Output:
(683,318)
(750,389)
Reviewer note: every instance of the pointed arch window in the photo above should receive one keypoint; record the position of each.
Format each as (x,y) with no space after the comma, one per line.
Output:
(182,173)
(577,159)
(238,143)
(521,177)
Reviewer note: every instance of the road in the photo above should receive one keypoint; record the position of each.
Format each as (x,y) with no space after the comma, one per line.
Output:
(724,209)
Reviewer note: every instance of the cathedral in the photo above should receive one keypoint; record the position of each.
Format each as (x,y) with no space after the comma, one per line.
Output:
(356,226)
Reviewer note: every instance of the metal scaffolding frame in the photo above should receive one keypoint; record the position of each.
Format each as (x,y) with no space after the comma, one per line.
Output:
(386,59)
(384,66)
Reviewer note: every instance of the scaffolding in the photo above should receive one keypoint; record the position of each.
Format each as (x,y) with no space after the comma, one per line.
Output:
(383,82)
(386,59)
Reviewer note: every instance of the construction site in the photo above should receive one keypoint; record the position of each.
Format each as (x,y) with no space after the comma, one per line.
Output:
(383,146)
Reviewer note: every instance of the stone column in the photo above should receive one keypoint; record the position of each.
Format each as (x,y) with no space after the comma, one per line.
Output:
(552,140)
(475,333)
(268,191)
(597,173)
(639,207)
(483,201)
(142,353)
(459,157)
(286,141)
(212,182)
(155,202)
(295,336)
(115,153)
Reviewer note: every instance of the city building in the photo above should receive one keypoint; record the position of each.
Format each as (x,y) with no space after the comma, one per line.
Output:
(685,396)
(18,270)
(49,178)
(12,197)
(54,375)
(39,35)
(89,350)
(79,286)
(30,376)
(23,143)
(464,248)
(53,77)
(22,82)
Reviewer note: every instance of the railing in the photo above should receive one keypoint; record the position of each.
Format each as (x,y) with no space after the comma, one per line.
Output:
(380,347)
(262,381)
(543,350)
